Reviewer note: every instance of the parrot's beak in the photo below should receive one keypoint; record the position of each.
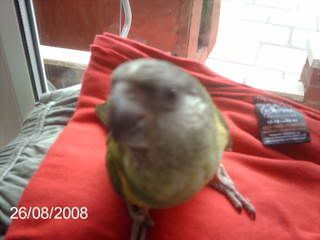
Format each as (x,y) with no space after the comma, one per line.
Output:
(128,123)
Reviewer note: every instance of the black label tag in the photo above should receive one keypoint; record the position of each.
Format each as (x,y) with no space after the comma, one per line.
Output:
(280,123)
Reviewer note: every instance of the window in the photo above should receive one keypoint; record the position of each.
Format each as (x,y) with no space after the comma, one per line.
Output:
(58,36)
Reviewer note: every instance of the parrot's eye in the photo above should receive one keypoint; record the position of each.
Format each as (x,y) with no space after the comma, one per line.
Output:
(170,94)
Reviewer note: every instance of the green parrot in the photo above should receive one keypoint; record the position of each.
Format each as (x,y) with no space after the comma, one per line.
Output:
(166,140)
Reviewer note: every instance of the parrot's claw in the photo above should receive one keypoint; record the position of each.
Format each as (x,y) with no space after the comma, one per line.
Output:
(141,222)
(224,184)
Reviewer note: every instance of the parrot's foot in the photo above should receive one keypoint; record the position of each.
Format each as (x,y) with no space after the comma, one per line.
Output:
(224,184)
(141,222)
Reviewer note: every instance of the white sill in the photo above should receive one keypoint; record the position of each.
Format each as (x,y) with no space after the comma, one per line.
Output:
(65,57)
(79,59)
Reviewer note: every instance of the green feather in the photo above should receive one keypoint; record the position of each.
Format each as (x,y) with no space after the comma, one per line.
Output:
(115,156)
(102,112)
(124,186)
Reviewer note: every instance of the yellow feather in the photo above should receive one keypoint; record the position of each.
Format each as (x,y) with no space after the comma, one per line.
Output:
(222,130)
(129,195)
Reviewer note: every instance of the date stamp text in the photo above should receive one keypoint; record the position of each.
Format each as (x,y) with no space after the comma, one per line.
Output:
(66,213)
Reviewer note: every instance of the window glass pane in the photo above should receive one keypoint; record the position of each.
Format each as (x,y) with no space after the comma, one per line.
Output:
(67,28)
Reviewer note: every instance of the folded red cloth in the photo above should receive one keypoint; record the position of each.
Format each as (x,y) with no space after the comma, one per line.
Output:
(282,181)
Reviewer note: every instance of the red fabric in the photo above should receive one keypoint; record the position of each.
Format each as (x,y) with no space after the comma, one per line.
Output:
(283,182)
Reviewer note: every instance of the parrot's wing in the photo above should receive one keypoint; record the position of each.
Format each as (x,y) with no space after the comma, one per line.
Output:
(102,112)
(225,140)
(114,164)
(116,157)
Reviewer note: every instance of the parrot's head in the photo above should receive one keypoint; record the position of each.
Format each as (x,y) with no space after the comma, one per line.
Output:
(146,90)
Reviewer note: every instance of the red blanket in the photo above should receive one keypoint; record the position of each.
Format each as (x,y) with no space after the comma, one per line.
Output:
(283,182)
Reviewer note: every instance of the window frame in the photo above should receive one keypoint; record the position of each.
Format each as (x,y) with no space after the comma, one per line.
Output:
(31,43)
